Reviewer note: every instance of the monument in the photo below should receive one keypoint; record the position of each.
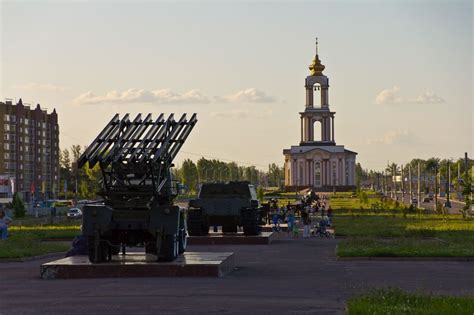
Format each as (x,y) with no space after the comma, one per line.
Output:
(317,161)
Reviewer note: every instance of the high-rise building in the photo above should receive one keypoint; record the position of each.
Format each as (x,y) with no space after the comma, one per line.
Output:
(317,161)
(29,151)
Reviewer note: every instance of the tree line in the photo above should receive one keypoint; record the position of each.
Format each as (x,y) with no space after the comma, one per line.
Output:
(192,175)
(84,183)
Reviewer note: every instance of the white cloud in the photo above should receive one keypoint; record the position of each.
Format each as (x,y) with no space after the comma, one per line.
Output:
(33,86)
(391,96)
(427,98)
(163,96)
(395,137)
(250,95)
(166,96)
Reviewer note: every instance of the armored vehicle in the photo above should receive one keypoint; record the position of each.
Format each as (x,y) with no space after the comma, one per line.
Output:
(135,158)
(230,205)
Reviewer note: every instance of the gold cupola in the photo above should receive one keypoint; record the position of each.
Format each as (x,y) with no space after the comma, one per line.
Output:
(316,68)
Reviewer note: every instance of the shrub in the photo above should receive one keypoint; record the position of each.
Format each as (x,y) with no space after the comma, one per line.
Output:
(18,206)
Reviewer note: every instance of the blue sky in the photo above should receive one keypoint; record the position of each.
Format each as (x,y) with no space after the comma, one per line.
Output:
(400,72)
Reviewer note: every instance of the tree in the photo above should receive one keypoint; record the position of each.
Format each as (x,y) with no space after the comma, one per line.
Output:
(189,175)
(18,206)
(260,193)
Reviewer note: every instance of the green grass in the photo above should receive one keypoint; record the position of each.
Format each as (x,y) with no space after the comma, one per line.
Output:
(393,234)
(25,241)
(396,301)
(47,231)
(27,245)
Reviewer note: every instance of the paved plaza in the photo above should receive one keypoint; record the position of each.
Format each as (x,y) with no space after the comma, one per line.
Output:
(302,276)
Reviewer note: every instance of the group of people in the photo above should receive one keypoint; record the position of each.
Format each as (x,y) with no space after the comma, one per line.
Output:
(4,222)
(287,214)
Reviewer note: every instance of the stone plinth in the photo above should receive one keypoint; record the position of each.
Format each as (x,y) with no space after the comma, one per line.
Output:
(264,238)
(190,264)
(269,228)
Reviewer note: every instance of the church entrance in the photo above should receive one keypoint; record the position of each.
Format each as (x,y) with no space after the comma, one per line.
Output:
(317,174)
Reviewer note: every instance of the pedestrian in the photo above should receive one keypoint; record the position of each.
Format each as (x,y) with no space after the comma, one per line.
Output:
(291,221)
(275,219)
(306,225)
(4,222)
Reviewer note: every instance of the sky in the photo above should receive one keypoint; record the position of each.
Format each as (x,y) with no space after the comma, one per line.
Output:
(400,72)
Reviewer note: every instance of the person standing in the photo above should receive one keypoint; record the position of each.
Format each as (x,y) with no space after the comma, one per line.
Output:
(291,221)
(306,224)
(4,222)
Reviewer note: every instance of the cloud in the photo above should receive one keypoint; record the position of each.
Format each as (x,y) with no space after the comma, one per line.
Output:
(163,96)
(250,95)
(391,96)
(427,98)
(32,86)
(241,114)
(395,137)
(166,96)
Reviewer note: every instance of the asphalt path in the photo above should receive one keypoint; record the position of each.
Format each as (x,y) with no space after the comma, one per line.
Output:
(289,275)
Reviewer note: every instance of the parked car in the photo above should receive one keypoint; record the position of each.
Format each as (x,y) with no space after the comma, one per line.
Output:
(426,199)
(414,201)
(74,213)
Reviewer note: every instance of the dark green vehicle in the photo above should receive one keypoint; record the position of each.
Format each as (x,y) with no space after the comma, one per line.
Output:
(228,205)
(135,158)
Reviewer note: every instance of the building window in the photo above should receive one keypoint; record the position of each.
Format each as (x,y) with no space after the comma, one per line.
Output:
(7,127)
(6,146)
(334,173)
(317,174)
(6,117)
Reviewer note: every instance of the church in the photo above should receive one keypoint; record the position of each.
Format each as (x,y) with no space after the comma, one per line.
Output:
(318,162)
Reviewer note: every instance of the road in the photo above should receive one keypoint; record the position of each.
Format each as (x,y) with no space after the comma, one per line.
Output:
(456,206)
(289,275)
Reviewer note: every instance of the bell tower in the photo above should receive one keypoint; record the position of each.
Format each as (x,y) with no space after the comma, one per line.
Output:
(316,115)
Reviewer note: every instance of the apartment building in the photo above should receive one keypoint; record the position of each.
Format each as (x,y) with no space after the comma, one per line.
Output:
(29,151)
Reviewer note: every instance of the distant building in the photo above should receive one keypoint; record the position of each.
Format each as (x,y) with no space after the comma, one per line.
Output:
(29,151)
(317,161)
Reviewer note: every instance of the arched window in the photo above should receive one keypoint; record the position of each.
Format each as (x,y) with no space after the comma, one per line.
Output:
(317,95)
(317,131)
(317,174)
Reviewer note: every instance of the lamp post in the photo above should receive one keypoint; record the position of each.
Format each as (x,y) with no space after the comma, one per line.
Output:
(448,185)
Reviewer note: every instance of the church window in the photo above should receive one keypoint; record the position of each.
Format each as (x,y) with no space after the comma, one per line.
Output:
(317,173)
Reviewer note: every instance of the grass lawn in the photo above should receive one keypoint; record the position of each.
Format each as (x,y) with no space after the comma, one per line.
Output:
(25,245)
(25,241)
(396,301)
(390,234)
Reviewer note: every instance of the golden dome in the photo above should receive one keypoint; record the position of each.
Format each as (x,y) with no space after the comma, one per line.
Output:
(316,67)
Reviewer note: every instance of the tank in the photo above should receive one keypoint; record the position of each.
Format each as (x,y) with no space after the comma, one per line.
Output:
(228,205)
(135,158)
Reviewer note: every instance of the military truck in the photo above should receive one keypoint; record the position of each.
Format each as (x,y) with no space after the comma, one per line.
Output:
(135,159)
(228,205)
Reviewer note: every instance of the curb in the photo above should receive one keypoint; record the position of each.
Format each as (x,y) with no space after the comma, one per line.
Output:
(31,258)
(365,258)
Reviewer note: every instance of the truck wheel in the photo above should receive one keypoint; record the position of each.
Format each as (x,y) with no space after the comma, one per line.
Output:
(169,248)
(182,242)
(97,252)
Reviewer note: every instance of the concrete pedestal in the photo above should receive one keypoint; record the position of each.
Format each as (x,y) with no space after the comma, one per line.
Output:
(190,264)
(269,228)
(264,238)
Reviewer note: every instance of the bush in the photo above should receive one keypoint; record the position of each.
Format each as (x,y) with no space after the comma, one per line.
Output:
(18,206)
